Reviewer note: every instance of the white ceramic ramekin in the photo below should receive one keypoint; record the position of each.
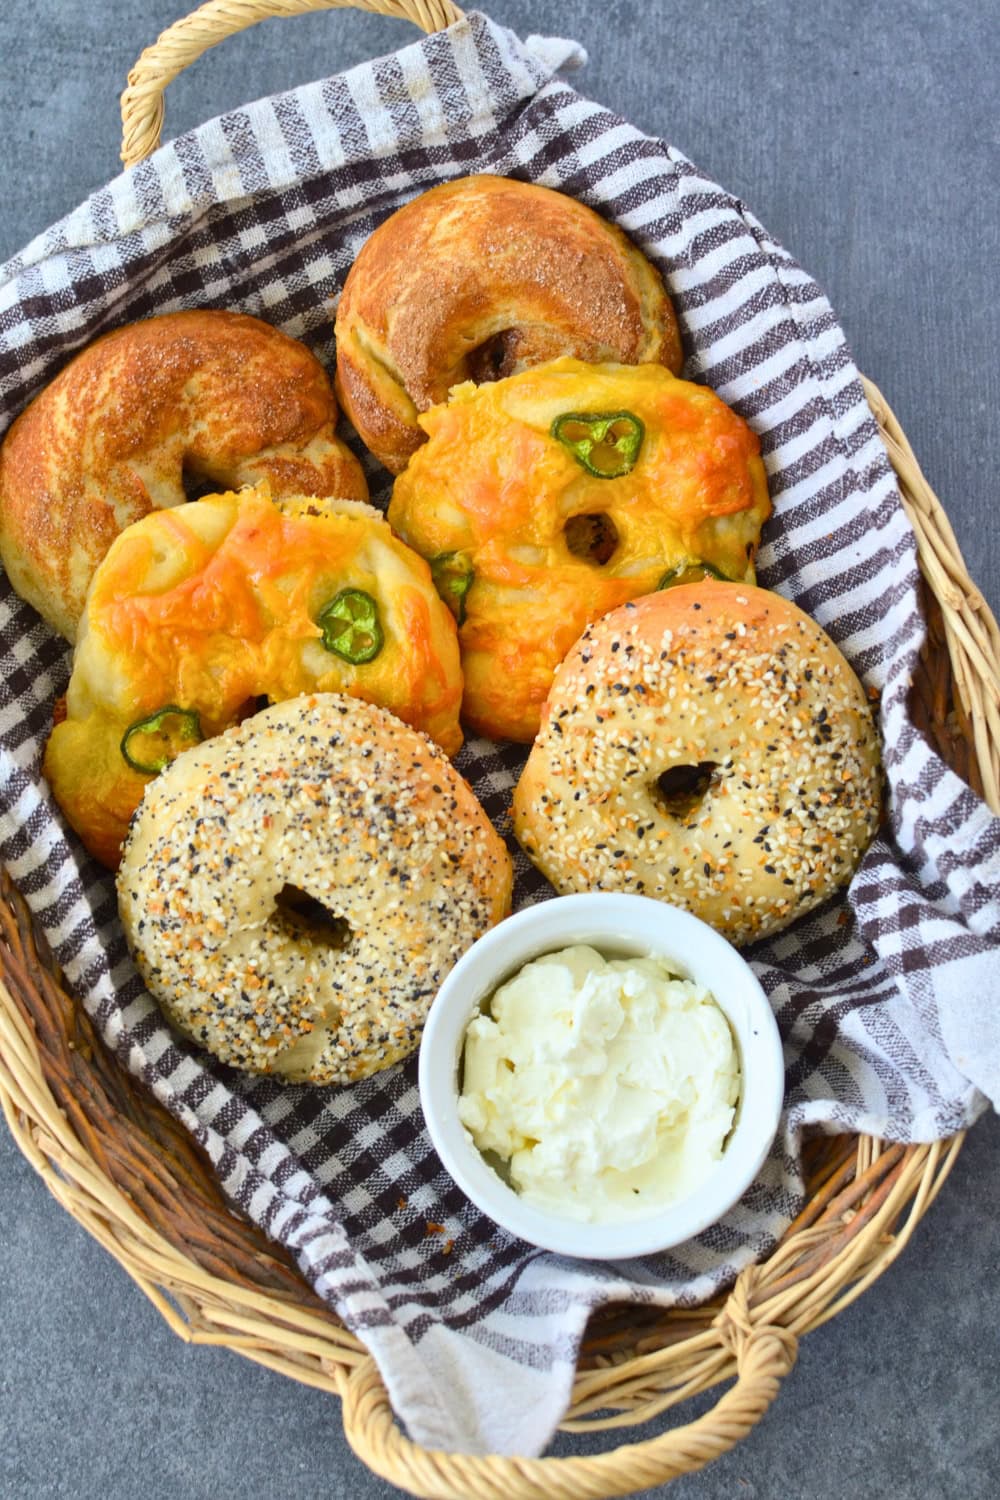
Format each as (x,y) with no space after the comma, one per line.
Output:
(618,926)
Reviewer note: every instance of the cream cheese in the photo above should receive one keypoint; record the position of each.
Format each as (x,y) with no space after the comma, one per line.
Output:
(606,1087)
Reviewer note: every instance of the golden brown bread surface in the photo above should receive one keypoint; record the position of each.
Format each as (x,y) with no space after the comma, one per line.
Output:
(207,607)
(295,891)
(210,398)
(478,279)
(708,745)
(549,545)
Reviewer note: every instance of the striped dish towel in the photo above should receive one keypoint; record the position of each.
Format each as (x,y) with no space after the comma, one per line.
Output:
(886,997)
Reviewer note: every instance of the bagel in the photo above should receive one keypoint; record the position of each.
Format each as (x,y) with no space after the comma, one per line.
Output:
(482,278)
(537,520)
(708,745)
(295,890)
(199,611)
(190,399)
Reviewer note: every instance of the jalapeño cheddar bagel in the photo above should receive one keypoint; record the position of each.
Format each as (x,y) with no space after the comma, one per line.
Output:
(200,613)
(545,500)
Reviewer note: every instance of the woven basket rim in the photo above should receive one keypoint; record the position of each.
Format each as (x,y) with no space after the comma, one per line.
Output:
(865,1200)
(865,1197)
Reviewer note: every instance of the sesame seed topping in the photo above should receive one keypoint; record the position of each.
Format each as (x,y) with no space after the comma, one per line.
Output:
(285,916)
(741,694)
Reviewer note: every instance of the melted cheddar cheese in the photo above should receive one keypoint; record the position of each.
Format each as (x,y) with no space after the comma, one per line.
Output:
(212,607)
(494,483)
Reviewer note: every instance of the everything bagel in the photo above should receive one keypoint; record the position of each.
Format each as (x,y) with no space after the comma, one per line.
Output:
(295,890)
(479,279)
(141,417)
(708,745)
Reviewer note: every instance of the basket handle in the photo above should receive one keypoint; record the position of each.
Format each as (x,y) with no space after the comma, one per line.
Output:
(184,42)
(765,1353)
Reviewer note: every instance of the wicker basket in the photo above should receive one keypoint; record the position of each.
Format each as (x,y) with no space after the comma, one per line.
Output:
(133,1177)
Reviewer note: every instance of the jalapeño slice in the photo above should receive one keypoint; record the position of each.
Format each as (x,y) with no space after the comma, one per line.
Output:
(351,626)
(153,742)
(452,573)
(605,443)
(691,570)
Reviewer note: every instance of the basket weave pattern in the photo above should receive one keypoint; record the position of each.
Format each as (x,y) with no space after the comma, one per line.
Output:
(126,1170)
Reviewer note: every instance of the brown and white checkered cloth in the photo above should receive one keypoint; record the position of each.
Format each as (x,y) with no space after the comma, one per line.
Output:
(887,998)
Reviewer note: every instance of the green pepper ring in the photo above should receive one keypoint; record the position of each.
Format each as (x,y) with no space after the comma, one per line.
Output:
(453,575)
(674,576)
(359,612)
(191,730)
(599,423)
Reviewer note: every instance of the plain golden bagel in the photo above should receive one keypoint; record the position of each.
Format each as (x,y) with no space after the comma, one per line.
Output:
(478,279)
(142,419)
(294,891)
(708,745)
(201,614)
(545,500)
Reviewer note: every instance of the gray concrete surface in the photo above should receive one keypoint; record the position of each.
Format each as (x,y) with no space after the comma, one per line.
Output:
(866,139)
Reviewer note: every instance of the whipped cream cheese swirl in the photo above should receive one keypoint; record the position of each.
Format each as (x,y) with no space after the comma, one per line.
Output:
(606,1087)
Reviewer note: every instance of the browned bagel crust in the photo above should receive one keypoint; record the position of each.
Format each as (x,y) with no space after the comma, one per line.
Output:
(482,278)
(214,397)
(708,745)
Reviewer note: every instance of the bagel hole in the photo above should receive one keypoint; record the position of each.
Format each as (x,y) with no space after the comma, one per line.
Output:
(593,537)
(196,483)
(304,916)
(495,359)
(251,706)
(680,790)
